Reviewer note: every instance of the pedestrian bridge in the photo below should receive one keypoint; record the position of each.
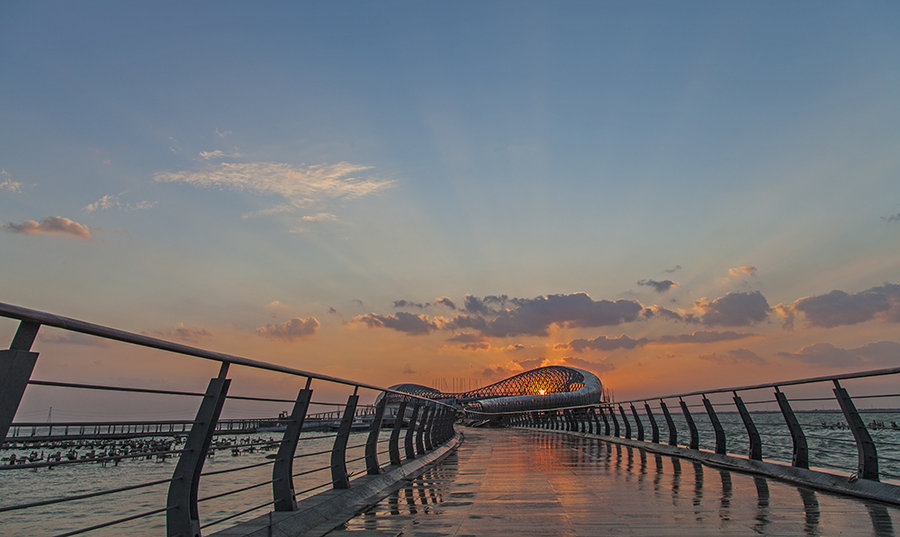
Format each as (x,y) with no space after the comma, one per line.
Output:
(813,456)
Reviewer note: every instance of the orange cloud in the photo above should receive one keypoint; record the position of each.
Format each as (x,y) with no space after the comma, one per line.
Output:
(52,225)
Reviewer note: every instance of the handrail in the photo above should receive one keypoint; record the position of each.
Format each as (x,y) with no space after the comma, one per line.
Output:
(11,311)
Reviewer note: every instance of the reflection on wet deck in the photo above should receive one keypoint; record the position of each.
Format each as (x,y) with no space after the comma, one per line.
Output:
(516,482)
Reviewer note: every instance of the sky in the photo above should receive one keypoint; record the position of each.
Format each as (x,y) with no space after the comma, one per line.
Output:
(673,196)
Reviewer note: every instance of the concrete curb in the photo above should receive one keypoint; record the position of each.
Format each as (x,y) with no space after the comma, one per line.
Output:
(817,479)
(319,514)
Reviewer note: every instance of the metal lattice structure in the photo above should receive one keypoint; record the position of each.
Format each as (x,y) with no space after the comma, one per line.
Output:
(543,387)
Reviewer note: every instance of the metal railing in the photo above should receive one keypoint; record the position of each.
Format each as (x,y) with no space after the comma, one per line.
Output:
(818,426)
(162,462)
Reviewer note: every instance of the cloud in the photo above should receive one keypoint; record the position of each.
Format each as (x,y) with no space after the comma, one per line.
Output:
(488,305)
(408,370)
(277,308)
(665,313)
(676,268)
(7,183)
(446,302)
(401,322)
(181,333)
(659,287)
(734,309)
(528,365)
(295,328)
(596,367)
(52,225)
(839,308)
(407,304)
(112,201)
(222,133)
(703,336)
(218,154)
(742,272)
(603,343)
(882,353)
(470,342)
(534,316)
(320,217)
(73,338)
(297,186)
(735,356)
(888,219)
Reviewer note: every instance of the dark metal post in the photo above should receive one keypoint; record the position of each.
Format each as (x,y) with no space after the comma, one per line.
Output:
(640,426)
(755,442)
(588,417)
(410,431)
(394,444)
(183,518)
(602,412)
(717,426)
(339,477)
(800,457)
(282,471)
(692,427)
(670,424)
(612,414)
(16,365)
(420,431)
(867,467)
(372,467)
(625,420)
(654,428)
(429,427)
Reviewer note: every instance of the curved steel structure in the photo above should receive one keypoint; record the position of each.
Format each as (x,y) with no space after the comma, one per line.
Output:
(544,387)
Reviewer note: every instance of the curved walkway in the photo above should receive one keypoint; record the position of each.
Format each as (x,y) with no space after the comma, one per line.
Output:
(531,483)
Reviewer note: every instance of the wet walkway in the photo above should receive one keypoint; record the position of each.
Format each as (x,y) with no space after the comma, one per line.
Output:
(530,483)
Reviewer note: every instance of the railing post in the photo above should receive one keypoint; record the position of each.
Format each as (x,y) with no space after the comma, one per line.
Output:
(410,431)
(670,423)
(182,517)
(283,469)
(800,456)
(16,365)
(717,426)
(692,427)
(625,421)
(753,435)
(372,467)
(640,426)
(420,430)
(339,477)
(429,429)
(654,428)
(867,467)
(394,444)
(588,420)
(612,414)
(602,413)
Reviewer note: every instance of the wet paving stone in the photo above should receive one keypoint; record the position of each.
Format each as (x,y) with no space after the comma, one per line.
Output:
(539,483)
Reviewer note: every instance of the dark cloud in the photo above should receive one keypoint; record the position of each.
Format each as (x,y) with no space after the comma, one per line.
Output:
(470,342)
(596,367)
(838,308)
(295,328)
(891,218)
(488,305)
(882,353)
(181,333)
(534,316)
(72,338)
(703,336)
(528,365)
(676,268)
(408,370)
(654,311)
(603,343)
(461,322)
(736,356)
(659,287)
(446,302)
(734,309)
(52,225)
(402,322)
(407,304)
(333,311)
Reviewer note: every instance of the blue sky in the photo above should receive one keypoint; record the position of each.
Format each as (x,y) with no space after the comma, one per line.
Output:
(333,158)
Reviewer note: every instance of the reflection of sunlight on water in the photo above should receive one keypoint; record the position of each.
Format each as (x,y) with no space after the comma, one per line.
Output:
(21,486)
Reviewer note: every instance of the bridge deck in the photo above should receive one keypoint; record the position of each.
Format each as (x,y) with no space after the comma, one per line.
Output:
(518,482)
